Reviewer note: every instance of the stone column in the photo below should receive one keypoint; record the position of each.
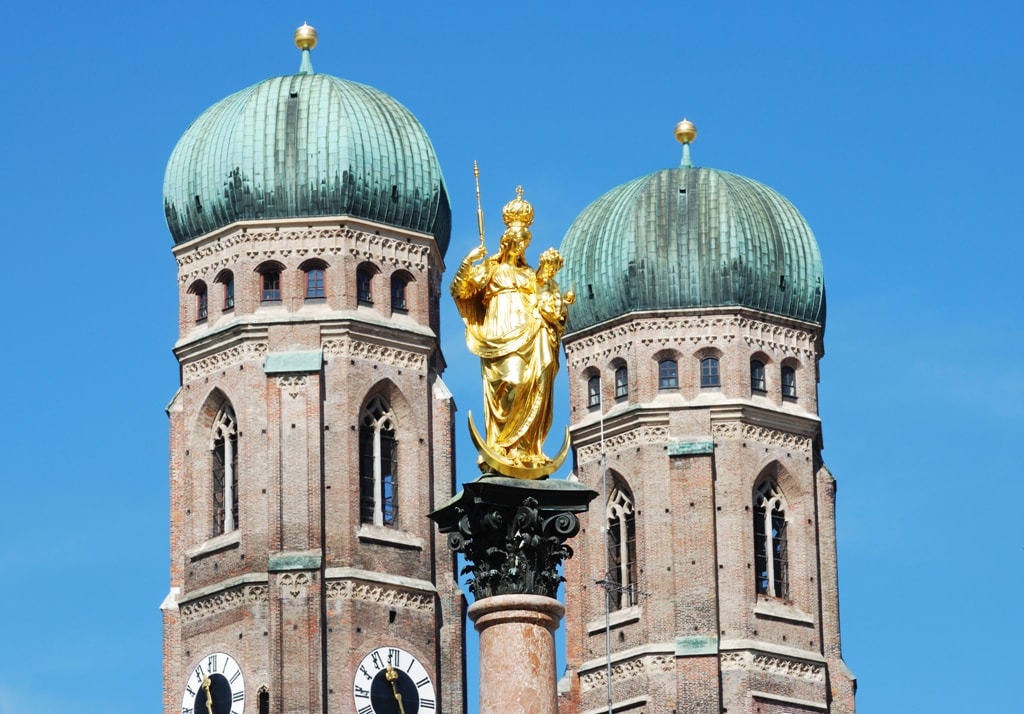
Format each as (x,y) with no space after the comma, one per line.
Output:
(513,534)
(517,653)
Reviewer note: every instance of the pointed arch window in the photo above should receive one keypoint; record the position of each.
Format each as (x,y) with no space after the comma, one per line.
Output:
(225,471)
(622,584)
(770,555)
(263,701)
(378,464)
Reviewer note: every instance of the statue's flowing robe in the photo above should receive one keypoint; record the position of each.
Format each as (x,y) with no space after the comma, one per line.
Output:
(518,352)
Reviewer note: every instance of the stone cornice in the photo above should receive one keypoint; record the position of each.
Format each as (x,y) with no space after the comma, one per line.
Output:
(304,238)
(690,330)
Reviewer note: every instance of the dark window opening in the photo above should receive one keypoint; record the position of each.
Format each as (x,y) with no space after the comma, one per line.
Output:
(709,376)
(788,382)
(315,283)
(378,466)
(621,580)
(621,382)
(594,391)
(668,376)
(271,286)
(398,285)
(363,282)
(202,305)
(757,378)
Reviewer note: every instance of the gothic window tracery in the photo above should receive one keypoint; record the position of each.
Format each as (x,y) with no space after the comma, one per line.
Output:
(378,463)
(225,471)
(771,568)
(622,581)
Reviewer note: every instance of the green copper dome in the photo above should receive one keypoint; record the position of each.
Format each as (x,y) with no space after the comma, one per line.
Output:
(305,145)
(692,238)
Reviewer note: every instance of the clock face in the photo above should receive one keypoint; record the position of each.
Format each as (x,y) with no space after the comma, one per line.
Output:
(215,686)
(389,680)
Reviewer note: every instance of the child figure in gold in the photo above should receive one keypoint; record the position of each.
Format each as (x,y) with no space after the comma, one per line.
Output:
(514,320)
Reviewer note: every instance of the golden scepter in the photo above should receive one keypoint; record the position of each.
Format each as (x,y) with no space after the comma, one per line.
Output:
(479,207)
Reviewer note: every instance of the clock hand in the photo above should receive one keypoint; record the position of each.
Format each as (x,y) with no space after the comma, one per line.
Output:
(392,676)
(209,696)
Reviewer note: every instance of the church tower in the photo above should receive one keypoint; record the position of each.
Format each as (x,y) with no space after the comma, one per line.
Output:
(312,432)
(706,581)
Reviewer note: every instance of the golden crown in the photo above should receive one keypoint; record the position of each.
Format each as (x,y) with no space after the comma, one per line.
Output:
(517,211)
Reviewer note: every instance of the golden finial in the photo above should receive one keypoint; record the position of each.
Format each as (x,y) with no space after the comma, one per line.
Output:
(685,131)
(305,37)
(517,211)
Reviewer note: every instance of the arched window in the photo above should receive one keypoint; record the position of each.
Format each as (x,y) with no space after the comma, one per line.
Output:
(263,701)
(227,279)
(398,286)
(364,283)
(315,283)
(594,391)
(788,381)
(225,471)
(202,301)
(668,375)
(757,380)
(270,282)
(621,382)
(770,557)
(378,463)
(709,376)
(622,585)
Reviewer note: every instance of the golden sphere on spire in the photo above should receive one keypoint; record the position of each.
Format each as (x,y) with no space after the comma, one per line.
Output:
(305,37)
(685,131)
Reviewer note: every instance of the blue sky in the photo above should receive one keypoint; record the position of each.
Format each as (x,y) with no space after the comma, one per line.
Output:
(894,127)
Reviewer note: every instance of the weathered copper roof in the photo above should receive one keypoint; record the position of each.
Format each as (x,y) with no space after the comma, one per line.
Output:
(692,237)
(305,145)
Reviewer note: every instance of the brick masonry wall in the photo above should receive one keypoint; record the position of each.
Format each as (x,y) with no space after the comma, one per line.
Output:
(694,513)
(301,569)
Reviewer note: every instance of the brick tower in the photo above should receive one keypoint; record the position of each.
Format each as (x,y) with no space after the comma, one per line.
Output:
(312,432)
(707,580)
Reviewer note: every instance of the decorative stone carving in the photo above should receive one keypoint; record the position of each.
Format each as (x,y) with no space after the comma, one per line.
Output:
(736,431)
(375,353)
(633,438)
(513,532)
(629,669)
(774,665)
(223,601)
(280,244)
(686,333)
(292,384)
(247,352)
(294,583)
(380,594)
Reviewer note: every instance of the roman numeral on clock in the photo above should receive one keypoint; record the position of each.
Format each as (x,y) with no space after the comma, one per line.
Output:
(368,709)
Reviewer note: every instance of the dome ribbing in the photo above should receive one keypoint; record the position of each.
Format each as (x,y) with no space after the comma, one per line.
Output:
(305,145)
(691,238)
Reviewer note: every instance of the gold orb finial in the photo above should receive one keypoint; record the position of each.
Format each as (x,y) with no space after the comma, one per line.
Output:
(305,37)
(685,131)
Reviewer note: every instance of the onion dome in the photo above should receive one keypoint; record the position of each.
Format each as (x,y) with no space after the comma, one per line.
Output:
(692,238)
(303,145)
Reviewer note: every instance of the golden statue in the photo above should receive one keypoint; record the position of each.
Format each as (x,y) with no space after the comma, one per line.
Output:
(515,318)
